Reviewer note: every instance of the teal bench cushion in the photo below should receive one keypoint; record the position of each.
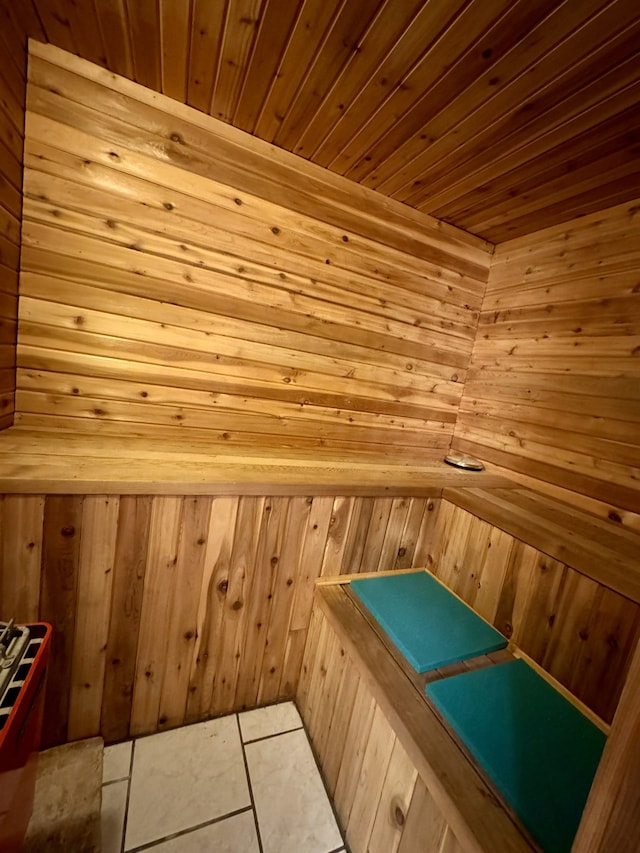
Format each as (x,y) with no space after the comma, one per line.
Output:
(539,750)
(427,623)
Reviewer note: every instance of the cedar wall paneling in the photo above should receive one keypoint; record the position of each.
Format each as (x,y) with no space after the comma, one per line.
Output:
(13,69)
(502,117)
(382,803)
(553,390)
(179,275)
(580,631)
(171,609)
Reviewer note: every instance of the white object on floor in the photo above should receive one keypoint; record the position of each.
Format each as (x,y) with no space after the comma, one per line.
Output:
(265,722)
(294,813)
(184,778)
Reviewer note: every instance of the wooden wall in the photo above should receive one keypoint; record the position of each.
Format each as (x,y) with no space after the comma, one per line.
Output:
(168,610)
(231,579)
(13,70)
(580,631)
(382,804)
(502,116)
(553,389)
(180,275)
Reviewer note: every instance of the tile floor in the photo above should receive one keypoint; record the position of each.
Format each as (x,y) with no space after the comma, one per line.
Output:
(246,783)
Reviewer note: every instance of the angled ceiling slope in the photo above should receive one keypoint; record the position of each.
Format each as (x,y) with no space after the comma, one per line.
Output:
(499,116)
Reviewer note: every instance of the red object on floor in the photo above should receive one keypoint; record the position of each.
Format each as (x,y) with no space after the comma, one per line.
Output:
(21,713)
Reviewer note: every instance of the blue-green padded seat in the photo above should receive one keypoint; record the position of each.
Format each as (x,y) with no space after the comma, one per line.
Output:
(427,623)
(539,750)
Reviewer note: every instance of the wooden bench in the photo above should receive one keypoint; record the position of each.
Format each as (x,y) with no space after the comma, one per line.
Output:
(33,461)
(368,718)
(399,778)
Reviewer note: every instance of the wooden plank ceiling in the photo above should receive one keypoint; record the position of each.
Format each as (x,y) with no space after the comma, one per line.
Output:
(499,116)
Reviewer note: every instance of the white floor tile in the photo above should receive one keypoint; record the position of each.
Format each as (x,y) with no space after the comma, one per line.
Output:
(114,804)
(233,835)
(116,762)
(183,778)
(293,810)
(273,720)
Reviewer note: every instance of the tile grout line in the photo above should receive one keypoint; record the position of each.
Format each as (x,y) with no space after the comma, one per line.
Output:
(246,770)
(149,845)
(343,835)
(274,734)
(126,807)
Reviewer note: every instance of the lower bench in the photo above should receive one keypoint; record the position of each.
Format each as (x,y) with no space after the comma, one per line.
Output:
(403,767)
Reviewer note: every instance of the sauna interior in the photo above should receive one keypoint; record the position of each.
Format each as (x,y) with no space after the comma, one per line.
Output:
(263,265)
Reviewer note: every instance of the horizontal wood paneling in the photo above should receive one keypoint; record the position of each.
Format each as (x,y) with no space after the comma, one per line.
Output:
(553,389)
(171,609)
(578,629)
(502,117)
(178,275)
(13,84)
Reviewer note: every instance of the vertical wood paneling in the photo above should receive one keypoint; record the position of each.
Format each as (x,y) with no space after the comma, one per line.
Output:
(381,803)
(553,390)
(168,610)
(61,539)
(425,826)
(259,598)
(283,591)
(172,609)
(582,633)
(95,582)
(211,606)
(124,622)
(181,621)
(112,21)
(352,757)
(236,603)
(21,520)
(373,771)
(157,605)
(609,821)
(175,23)
(395,798)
